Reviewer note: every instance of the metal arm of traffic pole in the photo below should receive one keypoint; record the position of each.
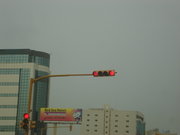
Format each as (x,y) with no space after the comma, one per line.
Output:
(65,75)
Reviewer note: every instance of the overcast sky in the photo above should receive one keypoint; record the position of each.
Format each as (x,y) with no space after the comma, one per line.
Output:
(138,38)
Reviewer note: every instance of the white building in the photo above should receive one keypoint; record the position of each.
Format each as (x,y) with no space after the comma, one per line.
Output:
(112,122)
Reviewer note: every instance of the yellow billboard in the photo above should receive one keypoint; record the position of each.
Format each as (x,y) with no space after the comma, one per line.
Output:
(60,114)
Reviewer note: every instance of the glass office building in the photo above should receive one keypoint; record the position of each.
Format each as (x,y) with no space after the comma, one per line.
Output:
(17,66)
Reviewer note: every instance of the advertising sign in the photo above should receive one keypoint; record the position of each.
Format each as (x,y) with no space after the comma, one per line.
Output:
(60,114)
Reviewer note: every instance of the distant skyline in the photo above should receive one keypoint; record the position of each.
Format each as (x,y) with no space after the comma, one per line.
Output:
(137,38)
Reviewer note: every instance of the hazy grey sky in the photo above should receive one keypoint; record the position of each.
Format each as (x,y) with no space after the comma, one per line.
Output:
(138,38)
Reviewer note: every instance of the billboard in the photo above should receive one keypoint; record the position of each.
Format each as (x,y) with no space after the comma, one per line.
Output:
(60,114)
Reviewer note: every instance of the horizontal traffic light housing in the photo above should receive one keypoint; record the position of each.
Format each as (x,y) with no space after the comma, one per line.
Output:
(104,73)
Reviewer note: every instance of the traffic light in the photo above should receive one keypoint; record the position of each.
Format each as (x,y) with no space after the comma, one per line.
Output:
(32,124)
(25,121)
(104,73)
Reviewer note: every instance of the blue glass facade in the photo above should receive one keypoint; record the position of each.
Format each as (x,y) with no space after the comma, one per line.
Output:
(41,88)
(140,126)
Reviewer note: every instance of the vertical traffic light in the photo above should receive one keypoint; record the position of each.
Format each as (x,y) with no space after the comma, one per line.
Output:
(25,121)
(104,73)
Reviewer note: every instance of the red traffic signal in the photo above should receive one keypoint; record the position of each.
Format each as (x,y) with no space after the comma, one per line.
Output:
(25,122)
(26,116)
(103,73)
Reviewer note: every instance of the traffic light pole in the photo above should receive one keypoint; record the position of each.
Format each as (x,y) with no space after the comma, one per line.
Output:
(34,80)
(99,73)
